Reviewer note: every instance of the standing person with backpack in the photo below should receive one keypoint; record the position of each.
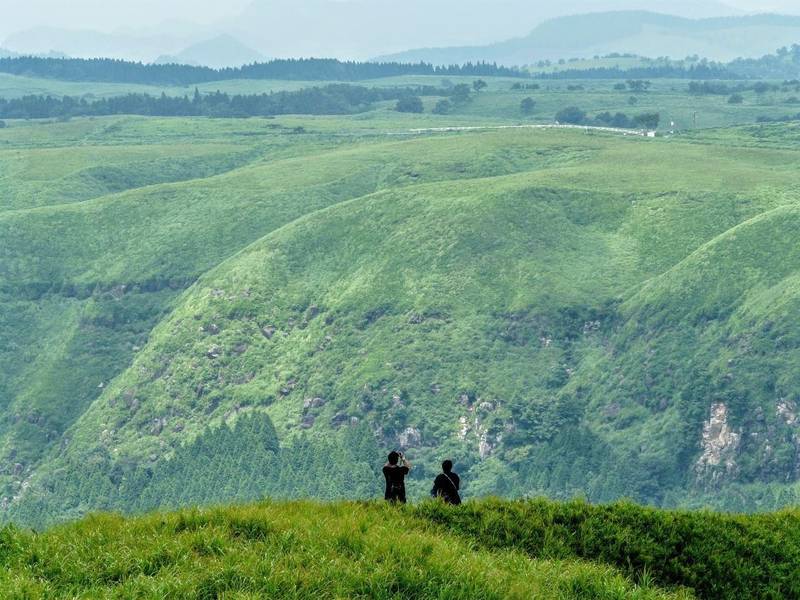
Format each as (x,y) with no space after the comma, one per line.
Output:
(395,471)
(447,484)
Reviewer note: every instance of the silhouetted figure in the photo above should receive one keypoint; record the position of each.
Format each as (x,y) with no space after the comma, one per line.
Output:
(395,471)
(447,484)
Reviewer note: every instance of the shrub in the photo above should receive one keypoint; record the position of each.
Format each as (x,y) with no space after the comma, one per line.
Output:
(736,99)
(572,115)
(527,106)
(2,124)
(442,107)
(647,120)
(619,120)
(410,104)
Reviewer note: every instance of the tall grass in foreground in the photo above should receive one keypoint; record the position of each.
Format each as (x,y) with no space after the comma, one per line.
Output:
(287,550)
(716,555)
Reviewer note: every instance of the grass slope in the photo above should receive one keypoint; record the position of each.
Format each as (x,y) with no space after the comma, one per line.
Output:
(488,549)
(287,551)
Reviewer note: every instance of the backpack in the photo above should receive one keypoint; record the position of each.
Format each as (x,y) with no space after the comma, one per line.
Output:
(455,497)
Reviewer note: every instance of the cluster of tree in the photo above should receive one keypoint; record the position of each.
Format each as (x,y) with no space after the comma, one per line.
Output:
(525,86)
(238,463)
(306,69)
(527,106)
(575,116)
(634,85)
(332,99)
(784,63)
(780,119)
(718,88)
(455,95)
(703,70)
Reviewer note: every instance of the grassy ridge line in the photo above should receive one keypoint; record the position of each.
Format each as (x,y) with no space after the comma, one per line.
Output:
(297,550)
(719,556)
(198,220)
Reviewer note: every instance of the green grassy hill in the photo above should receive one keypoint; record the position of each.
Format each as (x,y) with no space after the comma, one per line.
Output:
(492,549)
(565,314)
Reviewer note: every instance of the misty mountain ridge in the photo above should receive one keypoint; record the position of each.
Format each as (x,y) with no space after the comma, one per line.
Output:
(636,32)
(348,29)
(219,52)
(95,44)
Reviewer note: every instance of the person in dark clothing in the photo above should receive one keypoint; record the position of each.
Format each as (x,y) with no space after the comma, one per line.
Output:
(395,471)
(447,484)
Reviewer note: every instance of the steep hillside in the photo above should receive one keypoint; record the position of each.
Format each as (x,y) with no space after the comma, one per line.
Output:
(637,32)
(515,299)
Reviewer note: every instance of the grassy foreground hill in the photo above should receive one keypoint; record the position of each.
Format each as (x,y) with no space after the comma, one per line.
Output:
(492,549)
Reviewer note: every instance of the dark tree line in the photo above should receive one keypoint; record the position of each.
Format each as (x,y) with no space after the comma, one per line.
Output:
(719,88)
(304,69)
(699,71)
(333,99)
(785,63)
(575,116)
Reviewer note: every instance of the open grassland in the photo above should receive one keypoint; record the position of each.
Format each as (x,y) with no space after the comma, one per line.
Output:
(562,312)
(497,103)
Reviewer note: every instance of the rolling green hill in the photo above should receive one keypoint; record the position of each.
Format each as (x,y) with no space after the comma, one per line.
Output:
(564,314)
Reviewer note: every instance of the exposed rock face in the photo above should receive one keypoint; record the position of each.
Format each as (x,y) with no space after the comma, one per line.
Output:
(310,403)
(340,420)
(410,438)
(786,410)
(463,428)
(720,444)
(473,425)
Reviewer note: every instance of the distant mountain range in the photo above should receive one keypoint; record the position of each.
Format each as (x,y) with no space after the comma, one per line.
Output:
(52,54)
(357,29)
(445,32)
(637,32)
(366,28)
(91,44)
(219,52)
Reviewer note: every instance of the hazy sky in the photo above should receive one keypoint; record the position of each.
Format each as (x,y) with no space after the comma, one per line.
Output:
(111,14)
(427,22)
